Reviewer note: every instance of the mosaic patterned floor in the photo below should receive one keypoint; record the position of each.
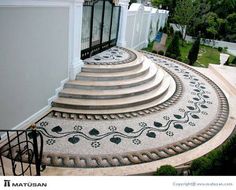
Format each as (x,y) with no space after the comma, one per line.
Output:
(175,126)
(114,55)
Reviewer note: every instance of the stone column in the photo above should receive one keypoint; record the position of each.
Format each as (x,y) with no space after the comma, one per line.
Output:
(75,30)
(123,22)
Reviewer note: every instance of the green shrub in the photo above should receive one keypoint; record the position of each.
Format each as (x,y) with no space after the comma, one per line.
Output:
(161,52)
(179,59)
(234,61)
(219,49)
(173,50)
(165,29)
(193,53)
(171,30)
(221,161)
(201,166)
(166,170)
(154,51)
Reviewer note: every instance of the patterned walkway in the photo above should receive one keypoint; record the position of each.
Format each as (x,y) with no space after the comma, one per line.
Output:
(171,128)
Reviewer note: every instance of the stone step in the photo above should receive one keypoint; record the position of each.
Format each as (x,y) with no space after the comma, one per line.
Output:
(226,74)
(118,84)
(114,68)
(115,103)
(116,93)
(139,71)
(165,96)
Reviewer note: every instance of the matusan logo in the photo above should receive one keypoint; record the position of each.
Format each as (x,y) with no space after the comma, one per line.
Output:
(8,183)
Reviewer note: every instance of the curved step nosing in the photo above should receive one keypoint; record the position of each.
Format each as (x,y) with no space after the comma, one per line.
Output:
(108,96)
(115,106)
(131,92)
(105,87)
(107,78)
(106,106)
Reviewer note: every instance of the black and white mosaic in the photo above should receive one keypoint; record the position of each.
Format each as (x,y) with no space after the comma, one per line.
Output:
(200,113)
(112,56)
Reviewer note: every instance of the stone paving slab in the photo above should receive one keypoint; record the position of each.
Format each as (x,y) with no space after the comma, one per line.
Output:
(198,115)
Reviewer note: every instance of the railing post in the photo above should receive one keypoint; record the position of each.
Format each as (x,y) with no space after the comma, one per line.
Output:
(36,151)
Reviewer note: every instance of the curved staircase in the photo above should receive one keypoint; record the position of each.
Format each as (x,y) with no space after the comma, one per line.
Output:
(116,88)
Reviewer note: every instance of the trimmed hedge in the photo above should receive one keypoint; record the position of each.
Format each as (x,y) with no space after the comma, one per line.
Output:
(173,50)
(221,161)
(166,170)
(193,53)
(161,52)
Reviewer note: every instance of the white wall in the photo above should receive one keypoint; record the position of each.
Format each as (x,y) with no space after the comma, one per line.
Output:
(143,24)
(214,43)
(33,60)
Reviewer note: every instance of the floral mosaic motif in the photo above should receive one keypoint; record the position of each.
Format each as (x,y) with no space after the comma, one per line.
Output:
(112,128)
(95,144)
(194,111)
(50,141)
(136,141)
(43,123)
(94,135)
(78,128)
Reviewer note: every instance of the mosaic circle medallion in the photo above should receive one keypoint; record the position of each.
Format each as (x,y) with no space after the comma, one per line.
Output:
(198,113)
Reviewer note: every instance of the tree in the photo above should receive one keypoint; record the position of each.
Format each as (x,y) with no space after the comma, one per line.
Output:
(173,50)
(199,21)
(231,27)
(213,24)
(193,53)
(223,7)
(184,13)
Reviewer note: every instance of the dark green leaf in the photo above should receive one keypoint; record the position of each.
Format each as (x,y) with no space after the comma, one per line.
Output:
(177,116)
(94,132)
(204,106)
(195,117)
(157,124)
(178,126)
(128,130)
(196,99)
(56,129)
(151,134)
(73,140)
(115,140)
(190,107)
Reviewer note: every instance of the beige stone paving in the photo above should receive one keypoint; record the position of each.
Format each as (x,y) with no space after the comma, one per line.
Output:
(175,160)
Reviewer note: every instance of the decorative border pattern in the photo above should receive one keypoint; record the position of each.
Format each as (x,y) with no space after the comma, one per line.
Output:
(148,155)
(132,56)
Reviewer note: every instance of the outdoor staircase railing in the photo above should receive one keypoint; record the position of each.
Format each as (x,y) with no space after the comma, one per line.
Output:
(21,152)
